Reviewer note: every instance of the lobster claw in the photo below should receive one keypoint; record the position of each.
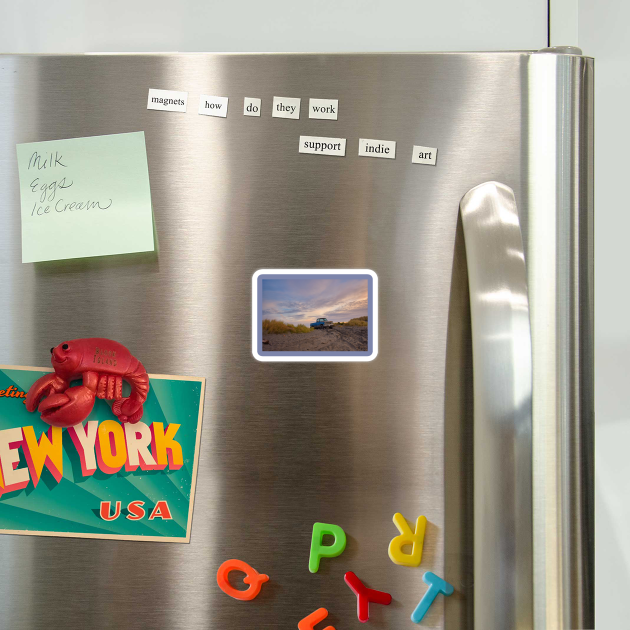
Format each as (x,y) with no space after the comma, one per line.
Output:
(43,386)
(68,408)
(128,410)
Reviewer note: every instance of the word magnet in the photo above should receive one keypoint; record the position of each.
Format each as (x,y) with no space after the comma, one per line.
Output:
(252,577)
(251,106)
(322,146)
(167,100)
(309,623)
(365,595)
(213,106)
(285,107)
(407,537)
(323,108)
(377,148)
(436,586)
(319,550)
(424,155)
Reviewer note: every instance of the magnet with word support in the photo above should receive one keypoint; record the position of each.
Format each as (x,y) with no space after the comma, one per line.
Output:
(252,577)
(319,551)
(365,595)
(407,537)
(308,623)
(436,586)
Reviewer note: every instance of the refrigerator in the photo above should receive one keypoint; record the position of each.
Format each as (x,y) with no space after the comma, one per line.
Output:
(473,405)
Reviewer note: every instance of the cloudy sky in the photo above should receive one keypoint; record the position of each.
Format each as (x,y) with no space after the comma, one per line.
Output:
(303,301)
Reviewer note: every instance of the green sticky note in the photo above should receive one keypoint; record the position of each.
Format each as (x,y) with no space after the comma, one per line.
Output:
(85,197)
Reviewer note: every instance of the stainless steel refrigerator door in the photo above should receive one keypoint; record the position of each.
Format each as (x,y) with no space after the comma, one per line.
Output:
(285,445)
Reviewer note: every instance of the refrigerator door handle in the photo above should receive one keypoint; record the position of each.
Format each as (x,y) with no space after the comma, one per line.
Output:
(502,373)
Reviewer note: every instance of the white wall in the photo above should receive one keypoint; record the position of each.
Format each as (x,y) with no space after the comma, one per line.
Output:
(604,29)
(270,25)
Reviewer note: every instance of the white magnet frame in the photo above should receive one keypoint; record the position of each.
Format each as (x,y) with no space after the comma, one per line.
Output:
(315,272)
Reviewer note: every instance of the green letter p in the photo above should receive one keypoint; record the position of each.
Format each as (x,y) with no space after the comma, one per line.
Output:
(319,551)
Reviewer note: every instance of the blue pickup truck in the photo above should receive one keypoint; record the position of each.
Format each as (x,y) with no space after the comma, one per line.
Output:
(322,322)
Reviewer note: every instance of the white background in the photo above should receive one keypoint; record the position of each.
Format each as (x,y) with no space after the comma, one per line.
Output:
(600,27)
(270,25)
(603,32)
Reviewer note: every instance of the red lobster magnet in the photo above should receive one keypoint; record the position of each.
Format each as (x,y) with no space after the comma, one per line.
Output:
(102,364)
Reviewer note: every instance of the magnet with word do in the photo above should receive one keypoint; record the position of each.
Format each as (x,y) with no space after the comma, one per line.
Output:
(436,586)
(319,550)
(309,623)
(252,577)
(365,595)
(407,537)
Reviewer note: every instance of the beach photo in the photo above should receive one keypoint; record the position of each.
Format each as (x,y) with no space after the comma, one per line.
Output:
(315,314)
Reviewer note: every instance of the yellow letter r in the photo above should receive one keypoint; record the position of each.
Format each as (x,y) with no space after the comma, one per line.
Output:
(407,537)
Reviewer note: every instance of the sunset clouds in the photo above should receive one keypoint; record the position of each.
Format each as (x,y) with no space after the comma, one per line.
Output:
(301,301)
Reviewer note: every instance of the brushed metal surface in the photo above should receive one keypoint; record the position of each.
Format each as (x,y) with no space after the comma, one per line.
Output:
(283,445)
(502,368)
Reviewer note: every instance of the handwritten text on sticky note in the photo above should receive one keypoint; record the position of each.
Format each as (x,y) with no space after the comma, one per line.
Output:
(85,197)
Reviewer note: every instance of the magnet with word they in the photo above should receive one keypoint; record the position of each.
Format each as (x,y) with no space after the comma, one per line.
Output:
(407,537)
(252,577)
(319,550)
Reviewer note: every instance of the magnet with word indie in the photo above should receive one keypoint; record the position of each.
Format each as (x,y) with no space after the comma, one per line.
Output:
(252,577)
(319,551)
(102,364)
(407,537)
(365,595)
(436,586)
(309,623)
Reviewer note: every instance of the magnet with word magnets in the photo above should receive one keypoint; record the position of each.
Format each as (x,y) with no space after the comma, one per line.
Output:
(407,537)
(365,595)
(436,586)
(319,550)
(252,577)
(309,623)
(102,364)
